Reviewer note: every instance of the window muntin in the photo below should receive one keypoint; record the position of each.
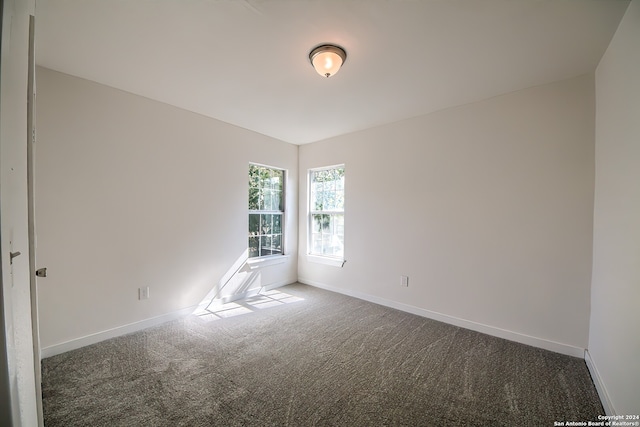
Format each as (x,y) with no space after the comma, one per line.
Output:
(266,211)
(326,212)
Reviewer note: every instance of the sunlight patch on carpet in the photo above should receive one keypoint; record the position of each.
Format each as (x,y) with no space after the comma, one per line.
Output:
(264,300)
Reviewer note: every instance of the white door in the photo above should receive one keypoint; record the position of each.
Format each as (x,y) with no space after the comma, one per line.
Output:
(31,141)
(18,361)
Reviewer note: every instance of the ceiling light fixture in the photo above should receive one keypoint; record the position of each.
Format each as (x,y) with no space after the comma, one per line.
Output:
(327,59)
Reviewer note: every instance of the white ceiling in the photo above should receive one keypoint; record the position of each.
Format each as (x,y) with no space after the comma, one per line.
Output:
(246,62)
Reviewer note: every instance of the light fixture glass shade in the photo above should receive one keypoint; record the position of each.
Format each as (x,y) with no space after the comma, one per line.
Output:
(327,59)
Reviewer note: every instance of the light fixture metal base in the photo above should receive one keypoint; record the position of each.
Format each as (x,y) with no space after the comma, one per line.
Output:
(324,49)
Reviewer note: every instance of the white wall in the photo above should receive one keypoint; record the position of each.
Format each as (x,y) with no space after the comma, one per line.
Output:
(614,343)
(131,192)
(486,207)
(15,295)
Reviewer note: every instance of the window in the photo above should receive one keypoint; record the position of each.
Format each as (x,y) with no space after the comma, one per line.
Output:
(326,212)
(266,211)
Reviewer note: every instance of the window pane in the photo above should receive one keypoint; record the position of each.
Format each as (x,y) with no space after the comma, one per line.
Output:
(334,225)
(276,200)
(254,199)
(316,245)
(254,250)
(338,225)
(316,196)
(266,200)
(267,224)
(329,186)
(254,176)
(254,224)
(326,244)
(265,245)
(326,223)
(265,176)
(317,223)
(269,181)
(337,247)
(337,235)
(339,200)
(277,223)
(327,200)
(328,195)
(276,242)
(277,180)
(341,250)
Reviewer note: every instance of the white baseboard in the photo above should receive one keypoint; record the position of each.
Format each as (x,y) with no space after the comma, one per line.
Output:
(489,330)
(467,324)
(597,380)
(143,324)
(114,332)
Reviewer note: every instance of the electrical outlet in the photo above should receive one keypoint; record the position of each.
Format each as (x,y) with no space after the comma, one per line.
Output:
(404,281)
(143,293)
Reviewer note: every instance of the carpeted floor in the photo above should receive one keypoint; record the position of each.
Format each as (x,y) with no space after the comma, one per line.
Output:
(302,356)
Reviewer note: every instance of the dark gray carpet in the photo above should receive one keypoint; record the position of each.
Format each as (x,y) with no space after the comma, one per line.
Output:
(326,359)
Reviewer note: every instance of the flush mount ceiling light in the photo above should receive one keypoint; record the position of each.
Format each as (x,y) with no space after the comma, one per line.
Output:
(327,59)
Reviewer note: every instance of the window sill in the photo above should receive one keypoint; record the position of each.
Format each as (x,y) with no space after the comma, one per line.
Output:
(267,261)
(335,262)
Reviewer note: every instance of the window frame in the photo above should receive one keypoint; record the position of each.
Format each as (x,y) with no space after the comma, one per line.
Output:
(333,260)
(259,259)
